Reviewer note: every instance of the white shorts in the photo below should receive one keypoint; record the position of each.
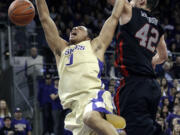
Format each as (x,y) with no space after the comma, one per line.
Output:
(95,100)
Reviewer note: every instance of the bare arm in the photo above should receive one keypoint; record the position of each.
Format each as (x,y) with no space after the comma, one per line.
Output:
(54,96)
(161,54)
(109,27)
(55,42)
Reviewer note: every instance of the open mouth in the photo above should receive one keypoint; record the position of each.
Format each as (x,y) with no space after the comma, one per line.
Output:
(73,33)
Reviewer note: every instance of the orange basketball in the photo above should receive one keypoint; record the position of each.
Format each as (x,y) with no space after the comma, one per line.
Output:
(21,12)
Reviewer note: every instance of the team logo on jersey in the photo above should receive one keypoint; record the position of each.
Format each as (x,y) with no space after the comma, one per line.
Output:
(71,50)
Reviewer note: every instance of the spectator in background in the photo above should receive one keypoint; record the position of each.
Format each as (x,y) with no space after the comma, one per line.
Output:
(172,94)
(4,111)
(176,129)
(112,68)
(112,84)
(33,66)
(176,84)
(176,67)
(1,123)
(164,112)
(167,73)
(21,125)
(7,129)
(57,109)
(45,86)
(164,87)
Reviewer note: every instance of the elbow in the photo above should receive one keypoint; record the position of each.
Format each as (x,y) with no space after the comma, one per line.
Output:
(114,18)
(43,18)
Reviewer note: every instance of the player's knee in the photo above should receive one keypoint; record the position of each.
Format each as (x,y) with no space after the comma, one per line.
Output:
(90,118)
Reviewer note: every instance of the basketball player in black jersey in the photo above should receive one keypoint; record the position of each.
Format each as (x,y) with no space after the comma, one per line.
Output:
(139,48)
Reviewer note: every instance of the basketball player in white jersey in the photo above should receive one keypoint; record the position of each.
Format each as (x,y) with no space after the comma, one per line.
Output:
(79,65)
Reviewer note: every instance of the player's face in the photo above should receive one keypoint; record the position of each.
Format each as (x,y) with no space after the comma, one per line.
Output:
(78,34)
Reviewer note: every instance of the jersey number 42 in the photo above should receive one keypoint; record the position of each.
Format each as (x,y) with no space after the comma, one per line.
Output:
(147,39)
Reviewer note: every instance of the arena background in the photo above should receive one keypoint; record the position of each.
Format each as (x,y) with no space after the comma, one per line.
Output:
(16,43)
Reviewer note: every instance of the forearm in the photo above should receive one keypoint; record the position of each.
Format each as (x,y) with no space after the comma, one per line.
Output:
(42,8)
(118,8)
(157,60)
(109,27)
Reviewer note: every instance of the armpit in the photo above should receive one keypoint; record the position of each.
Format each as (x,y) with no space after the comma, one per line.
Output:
(57,52)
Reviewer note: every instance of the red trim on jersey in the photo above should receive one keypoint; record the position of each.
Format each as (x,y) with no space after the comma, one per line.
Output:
(116,98)
(118,35)
(117,52)
(122,67)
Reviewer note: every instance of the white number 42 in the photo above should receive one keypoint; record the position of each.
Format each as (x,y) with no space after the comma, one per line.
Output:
(145,40)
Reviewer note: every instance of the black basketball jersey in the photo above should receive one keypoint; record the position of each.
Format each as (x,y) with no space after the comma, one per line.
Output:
(137,42)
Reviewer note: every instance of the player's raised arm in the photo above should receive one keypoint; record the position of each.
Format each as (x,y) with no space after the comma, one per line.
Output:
(161,54)
(55,42)
(109,27)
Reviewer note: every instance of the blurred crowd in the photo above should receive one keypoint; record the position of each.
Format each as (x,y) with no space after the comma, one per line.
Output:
(92,14)
(13,124)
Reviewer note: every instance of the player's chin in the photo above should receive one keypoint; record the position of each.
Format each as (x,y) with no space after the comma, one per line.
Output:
(72,41)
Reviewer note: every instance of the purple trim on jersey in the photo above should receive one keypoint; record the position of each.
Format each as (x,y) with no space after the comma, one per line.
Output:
(99,99)
(103,110)
(100,93)
(101,65)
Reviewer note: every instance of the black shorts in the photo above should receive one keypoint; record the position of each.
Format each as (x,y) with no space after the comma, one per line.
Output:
(137,100)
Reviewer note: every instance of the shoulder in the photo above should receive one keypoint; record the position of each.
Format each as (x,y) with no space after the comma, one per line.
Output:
(126,14)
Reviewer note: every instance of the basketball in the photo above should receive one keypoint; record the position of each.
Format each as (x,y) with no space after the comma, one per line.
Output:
(21,12)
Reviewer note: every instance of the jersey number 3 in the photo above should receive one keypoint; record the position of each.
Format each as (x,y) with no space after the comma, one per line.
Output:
(146,40)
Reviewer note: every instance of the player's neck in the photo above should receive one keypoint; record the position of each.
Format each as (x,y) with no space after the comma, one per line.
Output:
(75,43)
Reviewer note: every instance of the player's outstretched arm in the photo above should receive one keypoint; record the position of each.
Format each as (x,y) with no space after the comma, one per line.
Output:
(107,32)
(55,42)
(161,54)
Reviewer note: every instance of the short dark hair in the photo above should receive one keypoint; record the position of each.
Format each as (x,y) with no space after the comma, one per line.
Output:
(152,4)
(7,117)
